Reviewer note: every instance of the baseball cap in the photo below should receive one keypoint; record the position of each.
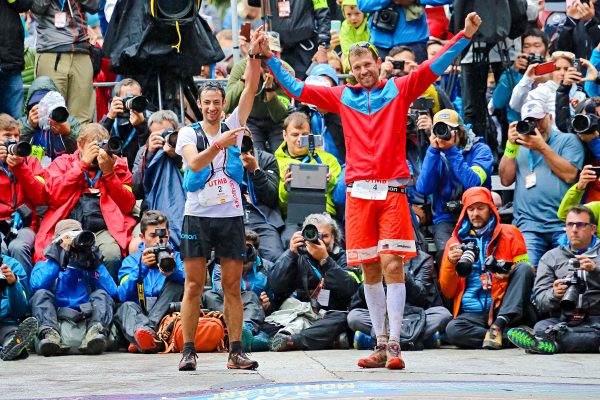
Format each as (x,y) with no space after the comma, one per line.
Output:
(534,109)
(66,225)
(274,43)
(448,117)
(325,70)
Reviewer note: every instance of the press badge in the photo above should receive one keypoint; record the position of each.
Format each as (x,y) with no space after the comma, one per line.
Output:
(530,180)
(284,9)
(60,19)
(217,191)
(370,190)
(323,297)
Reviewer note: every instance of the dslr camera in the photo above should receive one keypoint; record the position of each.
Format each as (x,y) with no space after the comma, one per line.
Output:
(251,253)
(21,218)
(585,124)
(464,266)
(14,148)
(59,114)
(131,102)
(163,252)
(535,59)
(311,234)
(82,251)
(577,284)
(386,19)
(527,126)
(442,131)
(452,207)
(422,105)
(111,146)
(247,145)
(170,136)
(497,266)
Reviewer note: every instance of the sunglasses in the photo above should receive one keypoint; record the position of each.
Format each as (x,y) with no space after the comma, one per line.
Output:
(365,45)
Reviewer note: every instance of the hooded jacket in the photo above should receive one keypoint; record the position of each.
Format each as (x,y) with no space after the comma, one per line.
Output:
(506,244)
(11,30)
(13,302)
(66,182)
(349,34)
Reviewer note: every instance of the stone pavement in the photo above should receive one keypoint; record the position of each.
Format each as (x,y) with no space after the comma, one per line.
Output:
(445,373)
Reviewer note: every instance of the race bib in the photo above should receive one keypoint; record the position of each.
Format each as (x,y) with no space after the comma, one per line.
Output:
(370,190)
(217,191)
(323,297)
(530,180)
(284,9)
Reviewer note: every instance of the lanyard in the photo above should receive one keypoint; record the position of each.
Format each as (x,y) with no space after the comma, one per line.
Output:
(534,163)
(62,4)
(92,182)
(315,270)
(307,158)
(129,138)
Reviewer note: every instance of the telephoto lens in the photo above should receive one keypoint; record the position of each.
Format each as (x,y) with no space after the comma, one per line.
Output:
(464,266)
(442,131)
(526,126)
(310,233)
(585,124)
(111,146)
(21,149)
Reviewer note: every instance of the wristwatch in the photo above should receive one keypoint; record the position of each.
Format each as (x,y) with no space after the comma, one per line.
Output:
(323,261)
(257,56)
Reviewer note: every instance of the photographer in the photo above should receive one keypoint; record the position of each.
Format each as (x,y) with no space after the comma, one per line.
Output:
(54,138)
(485,271)
(157,272)
(92,186)
(14,306)
(128,123)
(542,164)
(256,294)
(566,293)
(72,284)
(21,191)
(585,188)
(261,197)
(456,160)
(313,271)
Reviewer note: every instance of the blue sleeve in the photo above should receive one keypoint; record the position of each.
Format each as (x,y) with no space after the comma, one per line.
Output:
(104,281)
(503,90)
(480,168)
(594,146)
(429,177)
(178,275)
(449,53)
(369,6)
(285,79)
(44,275)
(128,277)
(216,280)
(17,293)
(339,192)
(590,87)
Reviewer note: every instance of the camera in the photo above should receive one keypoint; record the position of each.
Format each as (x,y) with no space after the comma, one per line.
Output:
(247,144)
(311,234)
(170,136)
(497,266)
(452,207)
(311,141)
(251,253)
(422,105)
(111,146)
(59,114)
(585,124)
(131,102)
(464,266)
(14,148)
(163,252)
(535,59)
(442,131)
(398,64)
(83,252)
(21,218)
(386,20)
(3,281)
(527,126)
(577,287)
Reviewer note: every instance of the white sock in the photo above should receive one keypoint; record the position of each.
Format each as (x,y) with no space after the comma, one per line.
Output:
(396,298)
(375,297)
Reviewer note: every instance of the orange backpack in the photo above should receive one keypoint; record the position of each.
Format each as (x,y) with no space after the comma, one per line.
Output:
(210,333)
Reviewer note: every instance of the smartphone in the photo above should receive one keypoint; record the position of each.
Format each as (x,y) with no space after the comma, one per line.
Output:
(245,31)
(597,171)
(336,26)
(544,68)
(305,140)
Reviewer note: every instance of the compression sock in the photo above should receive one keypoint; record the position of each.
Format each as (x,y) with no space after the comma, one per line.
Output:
(375,297)
(396,297)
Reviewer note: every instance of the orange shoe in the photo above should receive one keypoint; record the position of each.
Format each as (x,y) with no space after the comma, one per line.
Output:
(145,340)
(377,359)
(394,359)
(132,348)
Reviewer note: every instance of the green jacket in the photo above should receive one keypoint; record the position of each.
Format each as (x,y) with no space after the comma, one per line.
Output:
(573,198)
(284,160)
(350,35)
(276,109)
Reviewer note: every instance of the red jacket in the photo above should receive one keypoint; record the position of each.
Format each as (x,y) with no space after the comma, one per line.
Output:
(27,187)
(507,241)
(65,183)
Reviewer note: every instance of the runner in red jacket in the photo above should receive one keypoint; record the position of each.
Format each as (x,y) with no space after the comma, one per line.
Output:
(378,225)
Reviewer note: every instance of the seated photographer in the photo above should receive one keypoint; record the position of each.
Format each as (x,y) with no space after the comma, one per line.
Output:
(57,135)
(578,194)
(256,294)
(566,293)
(485,271)
(21,191)
(14,306)
(126,118)
(92,186)
(542,164)
(313,271)
(456,160)
(72,284)
(149,281)
(261,197)
(421,291)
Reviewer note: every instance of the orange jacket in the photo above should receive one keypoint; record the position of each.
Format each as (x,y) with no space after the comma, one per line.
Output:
(507,244)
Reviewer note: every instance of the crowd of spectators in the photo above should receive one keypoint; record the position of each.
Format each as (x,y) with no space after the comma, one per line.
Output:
(91,185)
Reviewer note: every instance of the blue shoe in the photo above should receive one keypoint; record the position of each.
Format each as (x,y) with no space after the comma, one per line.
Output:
(362,341)
(260,342)
(247,339)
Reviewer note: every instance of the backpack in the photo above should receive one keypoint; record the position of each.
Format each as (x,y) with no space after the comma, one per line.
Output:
(518,18)
(210,333)
(413,327)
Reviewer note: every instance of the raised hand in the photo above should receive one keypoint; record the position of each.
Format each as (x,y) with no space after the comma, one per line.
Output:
(472,23)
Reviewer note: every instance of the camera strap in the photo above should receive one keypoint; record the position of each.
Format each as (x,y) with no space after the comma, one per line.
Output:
(92,182)
(129,138)
(140,288)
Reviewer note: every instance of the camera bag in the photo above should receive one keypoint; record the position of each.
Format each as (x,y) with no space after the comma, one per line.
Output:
(413,327)
(210,333)
(583,338)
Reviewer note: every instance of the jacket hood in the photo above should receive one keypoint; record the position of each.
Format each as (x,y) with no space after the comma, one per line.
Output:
(474,195)
(41,83)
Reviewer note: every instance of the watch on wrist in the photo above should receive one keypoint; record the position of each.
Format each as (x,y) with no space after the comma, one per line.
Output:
(257,56)
(268,89)
(323,261)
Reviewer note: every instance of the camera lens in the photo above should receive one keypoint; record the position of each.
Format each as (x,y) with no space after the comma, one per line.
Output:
(247,144)
(21,149)
(84,239)
(137,103)
(3,282)
(59,114)
(174,8)
(442,131)
(250,253)
(165,262)
(310,233)
(581,123)
(464,266)
(526,127)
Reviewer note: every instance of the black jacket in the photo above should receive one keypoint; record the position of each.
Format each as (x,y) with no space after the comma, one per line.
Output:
(287,274)
(308,18)
(579,37)
(141,136)
(11,32)
(563,112)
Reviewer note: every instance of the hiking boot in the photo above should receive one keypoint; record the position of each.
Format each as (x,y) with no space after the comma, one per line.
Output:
(394,359)
(188,361)
(362,341)
(377,359)
(341,342)
(524,338)
(240,361)
(146,340)
(94,341)
(281,342)
(51,343)
(493,339)
(16,348)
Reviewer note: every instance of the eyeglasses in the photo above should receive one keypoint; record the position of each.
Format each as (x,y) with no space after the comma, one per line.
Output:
(365,45)
(579,225)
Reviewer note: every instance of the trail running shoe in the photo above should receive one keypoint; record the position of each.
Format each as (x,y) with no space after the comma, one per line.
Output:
(146,340)
(17,346)
(188,361)
(281,342)
(94,341)
(493,339)
(240,361)
(377,359)
(394,358)
(524,338)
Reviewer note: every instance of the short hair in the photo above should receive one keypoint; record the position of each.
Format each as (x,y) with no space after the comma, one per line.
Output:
(581,209)
(152,218)
(400,49)
(433,41)
(535,32)
(252,236)
(164,115)
(126,83)
(8,123)
(92,132)
(296,119)
(211,86)
(358,51)
(325,219)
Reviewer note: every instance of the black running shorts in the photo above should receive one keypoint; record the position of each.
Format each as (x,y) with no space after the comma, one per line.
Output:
(199,235)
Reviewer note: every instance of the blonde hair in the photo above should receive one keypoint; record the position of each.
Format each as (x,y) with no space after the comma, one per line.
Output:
(8,123)
(92,132)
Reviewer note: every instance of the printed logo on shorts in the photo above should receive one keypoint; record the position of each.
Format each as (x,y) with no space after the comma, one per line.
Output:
(188,236)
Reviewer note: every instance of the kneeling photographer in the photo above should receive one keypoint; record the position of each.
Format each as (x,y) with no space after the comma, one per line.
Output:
(485,270)
(567,292)
(456,160)
(149,281)
(317,284)
(72,284)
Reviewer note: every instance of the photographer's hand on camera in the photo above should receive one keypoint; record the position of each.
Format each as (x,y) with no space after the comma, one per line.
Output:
(116,108)
(14,161)
(90,152)
(447,144)
(533,142)
(155,142)
(454,254)
(434,141)
(424,122)
(386,69)
(559,288)
(520,63)
(8,274)
(34,117)
(3,153)
(249,162)
(586,263)
(586,176)
(106,163)
(296,242)
(317,251)
(149,258)
(571,76)
(136,118)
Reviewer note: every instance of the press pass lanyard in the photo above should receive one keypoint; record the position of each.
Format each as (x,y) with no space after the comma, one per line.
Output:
(92,182)
(534,163)
(140,288)
(129,138)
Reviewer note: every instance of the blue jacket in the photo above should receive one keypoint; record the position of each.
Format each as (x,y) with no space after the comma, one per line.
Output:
(70,286)
(153,279)
(13,302)
(503,91)
(467,168)
(406,32)
(590,87)
(255,280)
